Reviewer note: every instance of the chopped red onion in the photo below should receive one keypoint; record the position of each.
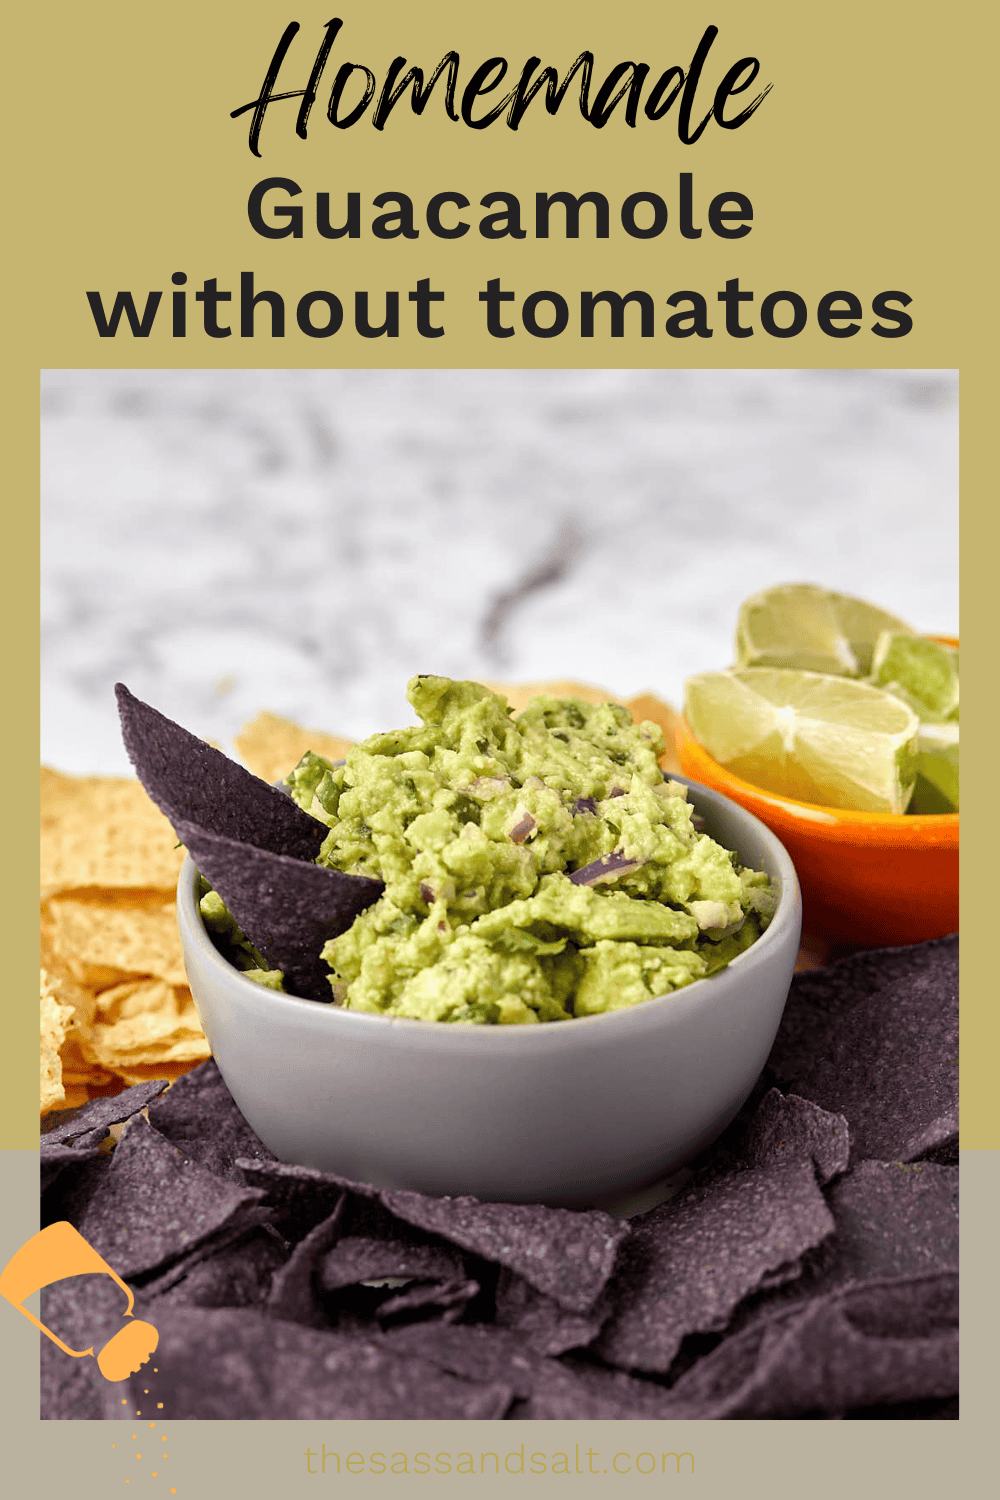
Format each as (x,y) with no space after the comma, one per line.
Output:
(522,828)
(608,867)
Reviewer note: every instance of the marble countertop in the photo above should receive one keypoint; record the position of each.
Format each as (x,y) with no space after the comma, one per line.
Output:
(306,540)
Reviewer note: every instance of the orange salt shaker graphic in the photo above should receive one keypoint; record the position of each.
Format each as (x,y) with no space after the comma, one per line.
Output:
(60,1251)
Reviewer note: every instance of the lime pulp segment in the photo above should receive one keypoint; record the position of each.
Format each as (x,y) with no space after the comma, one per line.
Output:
(810,628)
(922,672)
(807,735)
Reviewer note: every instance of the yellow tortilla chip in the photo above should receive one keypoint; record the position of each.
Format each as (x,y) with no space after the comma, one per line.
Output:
(100,943)
(91,1078)
(271,746)
(76,1067)
(136,997)
(54,1020)
(82,1004)
(104,831)
(143,1072)
(146,1022)
(63,986)
(115,1008)
(74,1097)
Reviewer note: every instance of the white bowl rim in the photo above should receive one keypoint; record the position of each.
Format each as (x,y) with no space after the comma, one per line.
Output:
(787,912)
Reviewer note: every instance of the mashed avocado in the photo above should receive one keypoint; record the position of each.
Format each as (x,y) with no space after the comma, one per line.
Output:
(536,868)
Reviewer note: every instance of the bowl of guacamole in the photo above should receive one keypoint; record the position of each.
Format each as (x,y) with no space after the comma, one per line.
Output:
(535,870)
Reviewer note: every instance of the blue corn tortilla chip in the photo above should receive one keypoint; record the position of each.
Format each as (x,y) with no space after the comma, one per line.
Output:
(472,1351)
(89,1124)
(569,1256)
(72,1141)
(544,1387)
(691,1261)
(152,1206)
(294,1293)
(894,1219)
(787,1128)
(399,1275)
(574,1391)
(913,1411)
(239,1363)
(287,907)
(875,1038)
(199,1116)
(238,1231)
(881,1344)
(782,1275)
(448,1300)
(85,1312)
(238,1274)
(287,1183)
(776,1315)
(76,1186)
(58,1157)
(194,783)
(359,1258)
(540,1321)
(300,1198)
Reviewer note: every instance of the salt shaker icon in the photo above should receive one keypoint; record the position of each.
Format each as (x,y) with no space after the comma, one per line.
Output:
(53,1254)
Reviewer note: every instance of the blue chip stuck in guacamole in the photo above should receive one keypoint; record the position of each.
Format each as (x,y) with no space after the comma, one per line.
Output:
(536,868)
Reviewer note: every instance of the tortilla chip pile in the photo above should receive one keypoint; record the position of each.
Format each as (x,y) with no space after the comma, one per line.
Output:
(271,746)
(806,1266)
(115,1007)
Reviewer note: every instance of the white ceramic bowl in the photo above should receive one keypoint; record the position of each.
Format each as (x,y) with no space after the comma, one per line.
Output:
(589,1111)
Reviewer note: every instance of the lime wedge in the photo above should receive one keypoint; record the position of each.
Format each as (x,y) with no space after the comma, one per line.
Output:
(812,629)
(936,790)
(806,735)
(923,673)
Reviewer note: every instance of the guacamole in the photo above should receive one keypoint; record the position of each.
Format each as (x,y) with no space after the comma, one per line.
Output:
(536,868)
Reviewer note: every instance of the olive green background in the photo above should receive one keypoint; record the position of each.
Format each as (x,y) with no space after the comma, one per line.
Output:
(867,168)
(849,164)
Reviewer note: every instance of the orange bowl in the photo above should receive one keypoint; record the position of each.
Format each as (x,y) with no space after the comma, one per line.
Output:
(868,879)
